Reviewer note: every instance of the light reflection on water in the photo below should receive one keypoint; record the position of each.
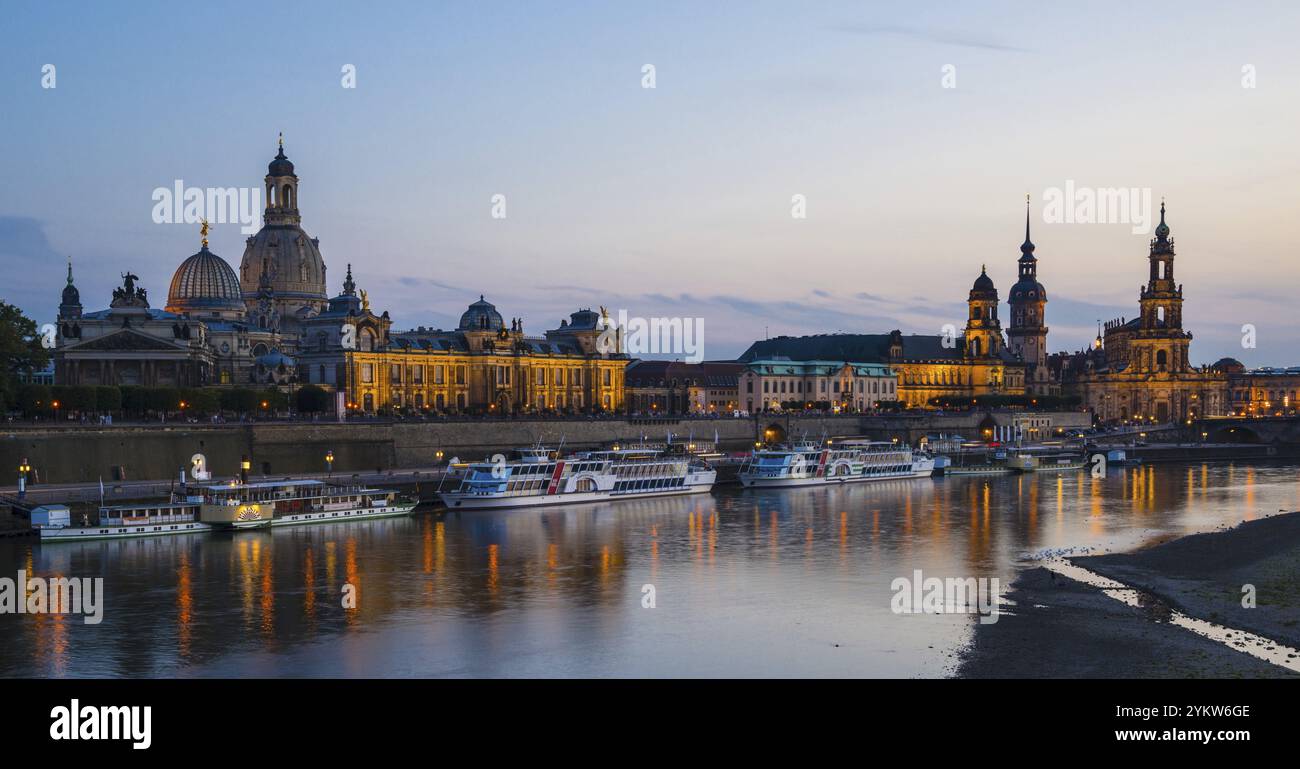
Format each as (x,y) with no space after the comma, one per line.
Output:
(746,582)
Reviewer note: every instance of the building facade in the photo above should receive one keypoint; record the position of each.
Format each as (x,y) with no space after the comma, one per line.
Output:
(673,387)
(272,323)
(480,367)
(780,383)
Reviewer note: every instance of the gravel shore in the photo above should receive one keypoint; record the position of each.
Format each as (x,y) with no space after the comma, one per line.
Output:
(1059,628)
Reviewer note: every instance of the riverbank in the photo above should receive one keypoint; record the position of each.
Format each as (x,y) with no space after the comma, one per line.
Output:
(1059,628)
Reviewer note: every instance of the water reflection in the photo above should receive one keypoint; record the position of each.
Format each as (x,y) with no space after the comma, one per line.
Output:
(747,583)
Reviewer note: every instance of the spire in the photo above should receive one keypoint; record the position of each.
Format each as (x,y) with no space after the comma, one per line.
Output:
(69,269)
(349,286)
(1027,248)
(1162,242)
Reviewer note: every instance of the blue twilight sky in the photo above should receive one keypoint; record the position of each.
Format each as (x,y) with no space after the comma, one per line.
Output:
(672,201)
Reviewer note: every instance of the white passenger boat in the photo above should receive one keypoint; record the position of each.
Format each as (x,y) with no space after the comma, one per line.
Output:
(233,506)
(809,464)
(541,478)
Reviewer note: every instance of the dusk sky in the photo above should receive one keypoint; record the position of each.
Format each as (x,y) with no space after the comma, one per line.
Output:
(676,200)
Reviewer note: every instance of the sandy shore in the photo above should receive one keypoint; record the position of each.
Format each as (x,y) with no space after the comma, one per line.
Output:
(1059,628)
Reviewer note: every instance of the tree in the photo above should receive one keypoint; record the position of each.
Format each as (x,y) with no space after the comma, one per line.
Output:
(239,400)
(21,348)
(34,399)
(274,399)
(108,398)
(312,399)
(80,398)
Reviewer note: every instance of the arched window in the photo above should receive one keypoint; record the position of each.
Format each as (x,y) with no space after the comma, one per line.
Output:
(1162,358)
(286,197)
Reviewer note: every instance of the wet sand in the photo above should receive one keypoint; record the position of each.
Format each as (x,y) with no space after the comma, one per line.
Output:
(1059,628)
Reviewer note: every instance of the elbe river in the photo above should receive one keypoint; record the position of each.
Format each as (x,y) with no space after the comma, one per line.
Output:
(744,583)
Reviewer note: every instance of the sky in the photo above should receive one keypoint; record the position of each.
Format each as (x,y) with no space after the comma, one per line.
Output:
(912,131)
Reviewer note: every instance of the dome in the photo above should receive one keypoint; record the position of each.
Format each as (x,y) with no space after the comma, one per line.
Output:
(280,166)
(480,315)
(287,259)
(204,282)
(71,295)
(983,282)
(1027,289)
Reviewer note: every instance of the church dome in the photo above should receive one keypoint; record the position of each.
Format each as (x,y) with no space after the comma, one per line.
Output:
(281,165)
(983,282)
(287,260)
(481,315)
(1027,289)
(204,282)
(71,295)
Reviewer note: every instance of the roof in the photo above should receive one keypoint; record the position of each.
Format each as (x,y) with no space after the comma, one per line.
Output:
(858,348)
(654,373)
(783,367)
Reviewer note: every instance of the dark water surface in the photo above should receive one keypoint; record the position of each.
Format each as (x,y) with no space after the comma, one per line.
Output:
(746,583)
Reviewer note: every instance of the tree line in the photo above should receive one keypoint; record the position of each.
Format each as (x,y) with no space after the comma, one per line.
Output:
(40,400)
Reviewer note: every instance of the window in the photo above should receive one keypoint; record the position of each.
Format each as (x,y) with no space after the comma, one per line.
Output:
(607,380)
(437,375)
(460,375)
(367,373)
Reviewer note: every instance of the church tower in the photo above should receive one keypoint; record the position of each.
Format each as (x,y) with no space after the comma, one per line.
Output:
(983,329)
(1159,344)
(1027,334)
(282,274)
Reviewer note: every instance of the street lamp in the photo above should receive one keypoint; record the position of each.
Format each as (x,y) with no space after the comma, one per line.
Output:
(329,463)
(23,470)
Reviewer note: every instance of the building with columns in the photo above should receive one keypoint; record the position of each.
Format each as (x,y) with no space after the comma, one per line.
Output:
(272,323)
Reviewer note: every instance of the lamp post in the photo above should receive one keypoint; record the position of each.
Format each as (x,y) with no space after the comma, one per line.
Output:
(329,463)
(23,470)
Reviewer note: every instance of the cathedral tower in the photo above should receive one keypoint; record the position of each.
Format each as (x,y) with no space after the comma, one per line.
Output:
(1159,344)
(282,274)
(983,329)
(1027,335)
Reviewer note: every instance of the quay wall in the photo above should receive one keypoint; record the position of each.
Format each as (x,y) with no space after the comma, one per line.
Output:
(80,454)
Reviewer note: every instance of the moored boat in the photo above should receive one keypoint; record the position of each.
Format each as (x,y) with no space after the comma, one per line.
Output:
(853,461)
(590,476)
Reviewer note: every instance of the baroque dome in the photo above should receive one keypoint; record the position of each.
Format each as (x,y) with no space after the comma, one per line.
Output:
(983,282)
(1027,289)
(481,315)
(286,259)
(204,282)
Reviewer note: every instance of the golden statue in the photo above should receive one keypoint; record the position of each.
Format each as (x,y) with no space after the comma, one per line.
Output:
(365,301)
(203,231)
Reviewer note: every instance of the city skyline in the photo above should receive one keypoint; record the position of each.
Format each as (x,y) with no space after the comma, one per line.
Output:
(683,190)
